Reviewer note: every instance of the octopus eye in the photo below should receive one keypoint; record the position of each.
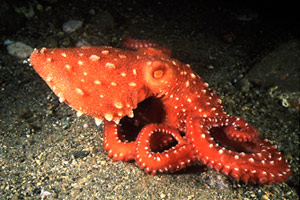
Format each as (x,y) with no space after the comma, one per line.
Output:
(159,73)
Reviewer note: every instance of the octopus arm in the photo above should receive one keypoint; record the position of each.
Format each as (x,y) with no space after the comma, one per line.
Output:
(257,161)
(116,148)
(171,160)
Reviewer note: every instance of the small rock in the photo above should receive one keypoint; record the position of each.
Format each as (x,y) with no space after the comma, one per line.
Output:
(244,84)
(19,50)
(65,123)
(104,22)
(72,25)
(278,68)
(80,154)
(82,43)
(278,72)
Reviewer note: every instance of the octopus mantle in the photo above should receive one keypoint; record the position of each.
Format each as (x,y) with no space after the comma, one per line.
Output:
(157,111)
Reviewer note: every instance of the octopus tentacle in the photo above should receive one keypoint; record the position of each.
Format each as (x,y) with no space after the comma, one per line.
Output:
(134,44)
(240,130)
(117,149)
(257,161)
(171,160)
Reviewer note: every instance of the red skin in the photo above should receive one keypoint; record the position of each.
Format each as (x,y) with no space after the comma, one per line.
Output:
(113,85)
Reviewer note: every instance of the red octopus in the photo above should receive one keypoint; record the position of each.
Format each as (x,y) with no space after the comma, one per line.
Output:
(157,111)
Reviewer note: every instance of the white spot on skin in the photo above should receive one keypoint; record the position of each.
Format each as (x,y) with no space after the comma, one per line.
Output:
(110,65)
(187,84)
(133,84)
(63,54)
(193,75)
(98,121)
(117,121)
(80,62)
(97,82)
(68,67)
(118,105)
(134,71)
(113,84)
(122,56)
(94,58)
(108,117)
(120,114)
(79,91)
(105,52)
(130,114)
(183,73)
(61,99)
(49,78)
(264,173)
(43,50)
(85,73)
(123,74)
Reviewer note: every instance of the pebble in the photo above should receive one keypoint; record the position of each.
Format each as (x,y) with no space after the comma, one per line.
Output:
(71,26)
(19,50)
(82,43)
(80,154)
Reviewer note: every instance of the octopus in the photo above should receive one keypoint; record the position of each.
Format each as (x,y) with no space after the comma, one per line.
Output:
(157,111)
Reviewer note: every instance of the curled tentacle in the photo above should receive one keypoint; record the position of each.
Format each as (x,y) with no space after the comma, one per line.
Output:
(117,148)
(257,161)
(120,149)
(170,160)
(240,130)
